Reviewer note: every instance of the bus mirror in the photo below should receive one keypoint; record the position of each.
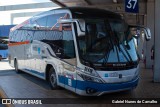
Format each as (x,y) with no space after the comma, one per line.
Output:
(148,33)
(80,23)
(138,29)
(80,27)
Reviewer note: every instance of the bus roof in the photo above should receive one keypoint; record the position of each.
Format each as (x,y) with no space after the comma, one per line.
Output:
(90,11)
(77,12)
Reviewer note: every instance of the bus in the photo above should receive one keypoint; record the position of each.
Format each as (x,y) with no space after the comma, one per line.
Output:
(85,50)
(3,48)
(4,34)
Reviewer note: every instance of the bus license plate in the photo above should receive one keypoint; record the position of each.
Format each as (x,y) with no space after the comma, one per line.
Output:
(114,74)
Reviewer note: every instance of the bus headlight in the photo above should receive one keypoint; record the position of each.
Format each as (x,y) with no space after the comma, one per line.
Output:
(89,71)
(88,77)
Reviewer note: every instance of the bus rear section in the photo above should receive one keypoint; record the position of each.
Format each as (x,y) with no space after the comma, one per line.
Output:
(88,53)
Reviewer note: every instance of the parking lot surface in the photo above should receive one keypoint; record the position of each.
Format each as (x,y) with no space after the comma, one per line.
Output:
(23,85)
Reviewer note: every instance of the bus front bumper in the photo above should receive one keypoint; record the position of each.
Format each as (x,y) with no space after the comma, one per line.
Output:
(96,89)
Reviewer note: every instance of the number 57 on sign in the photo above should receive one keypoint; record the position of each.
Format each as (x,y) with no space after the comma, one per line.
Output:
(132,6)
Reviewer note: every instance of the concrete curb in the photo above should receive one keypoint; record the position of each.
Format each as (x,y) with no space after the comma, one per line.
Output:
(4,95)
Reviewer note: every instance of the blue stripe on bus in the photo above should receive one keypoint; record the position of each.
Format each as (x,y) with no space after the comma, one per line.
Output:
(35,72)
(65,80)
(83,85)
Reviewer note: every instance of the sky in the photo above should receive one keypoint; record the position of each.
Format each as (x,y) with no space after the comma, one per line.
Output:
(13,2)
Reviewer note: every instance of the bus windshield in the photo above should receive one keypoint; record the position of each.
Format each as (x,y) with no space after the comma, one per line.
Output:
(107,41)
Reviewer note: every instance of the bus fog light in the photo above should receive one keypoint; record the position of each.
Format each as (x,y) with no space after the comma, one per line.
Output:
(90,90)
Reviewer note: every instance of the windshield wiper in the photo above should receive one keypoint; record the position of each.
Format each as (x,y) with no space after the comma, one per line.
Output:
(108,50)
(118,45)
(88,63)
(124,54)
(127,53)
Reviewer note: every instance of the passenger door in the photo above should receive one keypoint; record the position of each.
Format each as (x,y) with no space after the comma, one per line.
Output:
(69,57)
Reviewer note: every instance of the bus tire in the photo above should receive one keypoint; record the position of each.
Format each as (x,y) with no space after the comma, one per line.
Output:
(16,66)
(53,79)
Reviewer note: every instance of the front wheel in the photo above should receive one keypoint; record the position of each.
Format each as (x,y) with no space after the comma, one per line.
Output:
(53,79)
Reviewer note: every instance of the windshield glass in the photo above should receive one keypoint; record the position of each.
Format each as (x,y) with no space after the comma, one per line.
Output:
(107,41)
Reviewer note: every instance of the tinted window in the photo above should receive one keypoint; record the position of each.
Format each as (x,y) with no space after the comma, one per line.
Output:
(35,24)
(52,21)
(29,35)
(62,42)
(43,28)
(13,36)
(40,22)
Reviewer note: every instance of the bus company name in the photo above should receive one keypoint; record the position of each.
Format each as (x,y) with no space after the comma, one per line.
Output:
(14,101)
(122,65)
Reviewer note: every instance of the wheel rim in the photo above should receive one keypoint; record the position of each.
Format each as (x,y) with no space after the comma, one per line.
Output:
(53,79)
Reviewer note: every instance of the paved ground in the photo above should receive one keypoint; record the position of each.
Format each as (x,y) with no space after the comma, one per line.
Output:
(26,86)
(4,65)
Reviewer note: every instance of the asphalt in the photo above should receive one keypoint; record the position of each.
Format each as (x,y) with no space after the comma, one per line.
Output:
(23,85)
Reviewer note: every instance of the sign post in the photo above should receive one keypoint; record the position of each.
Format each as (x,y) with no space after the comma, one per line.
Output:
(132,6)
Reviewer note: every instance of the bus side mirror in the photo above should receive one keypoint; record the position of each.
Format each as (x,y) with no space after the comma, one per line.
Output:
(136,32)
(81,27)
(146,31)
(80,23)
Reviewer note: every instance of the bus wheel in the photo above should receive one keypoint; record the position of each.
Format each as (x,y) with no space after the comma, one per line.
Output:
(16,66)
(52,79)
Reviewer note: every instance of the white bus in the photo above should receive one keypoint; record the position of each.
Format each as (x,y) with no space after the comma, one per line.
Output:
(88,51)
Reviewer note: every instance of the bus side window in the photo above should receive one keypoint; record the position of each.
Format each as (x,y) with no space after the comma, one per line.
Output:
(40,23)
(15,36)
(39,28)
(11,34)
(52,22)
